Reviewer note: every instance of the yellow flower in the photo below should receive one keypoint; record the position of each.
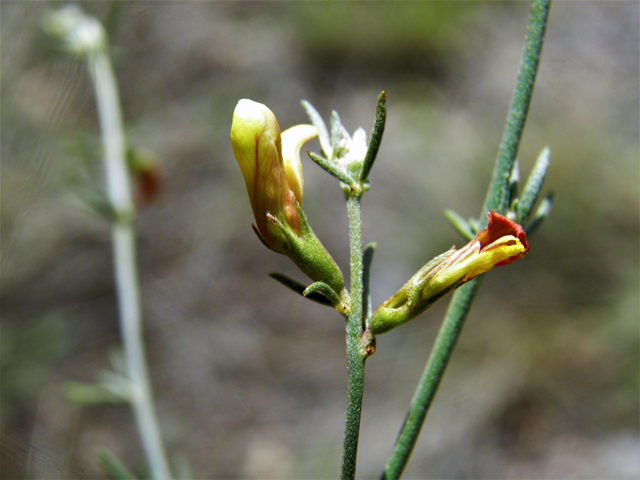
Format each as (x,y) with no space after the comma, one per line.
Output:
(270,164)
(500,243)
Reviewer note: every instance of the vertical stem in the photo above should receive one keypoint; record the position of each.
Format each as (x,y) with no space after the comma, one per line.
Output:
(124,250)
(497,196)
(355,355)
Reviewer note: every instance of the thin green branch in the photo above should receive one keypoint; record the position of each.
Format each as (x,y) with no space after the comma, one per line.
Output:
(497,195)
(355,355)
(440,355)
(497,198)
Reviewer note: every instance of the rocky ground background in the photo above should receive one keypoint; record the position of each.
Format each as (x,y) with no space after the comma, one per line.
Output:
(250,380)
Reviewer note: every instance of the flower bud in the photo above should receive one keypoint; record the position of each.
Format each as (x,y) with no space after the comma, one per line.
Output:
(270,164)
(257,146)
(500,243)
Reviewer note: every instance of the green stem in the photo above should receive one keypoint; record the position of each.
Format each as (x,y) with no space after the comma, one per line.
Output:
(356,356)
(440,354)
(124,249)
(496,199)
(497,194)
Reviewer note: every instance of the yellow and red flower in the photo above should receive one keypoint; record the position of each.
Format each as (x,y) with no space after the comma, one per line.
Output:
(500,243)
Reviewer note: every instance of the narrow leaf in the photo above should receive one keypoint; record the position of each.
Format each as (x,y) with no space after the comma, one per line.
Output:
(460,224)
(332,168)
(514,179)
(323,133)
(541,213)
(299,288)
(534,185)
(376,136)
(113,467)
(340,138)
(91,394)
(326,290)
(366,274)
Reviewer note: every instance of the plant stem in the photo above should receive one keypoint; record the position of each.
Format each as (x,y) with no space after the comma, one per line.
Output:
(124,251)
(497,196)
(434,371)
(355,355)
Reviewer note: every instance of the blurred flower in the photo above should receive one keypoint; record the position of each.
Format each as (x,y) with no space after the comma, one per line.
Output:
(146,173)
(500,243)
(75,32)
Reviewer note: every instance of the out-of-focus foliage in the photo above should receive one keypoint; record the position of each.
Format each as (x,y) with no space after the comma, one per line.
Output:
(250,378)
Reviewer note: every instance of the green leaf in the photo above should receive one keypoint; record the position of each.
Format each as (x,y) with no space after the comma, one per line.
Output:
(90,394)
(327,291)
(113,467)
(367,258)
(460,224)
(181,467)
(533,186)
(376,136)
(340,138)
(332,168)
(299,288)
(514,179)
(541,213)
(323,134)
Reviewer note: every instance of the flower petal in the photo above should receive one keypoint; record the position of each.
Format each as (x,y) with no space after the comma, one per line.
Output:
(292,140)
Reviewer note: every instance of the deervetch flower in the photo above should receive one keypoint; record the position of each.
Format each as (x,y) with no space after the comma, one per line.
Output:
(500,243)
(270,164)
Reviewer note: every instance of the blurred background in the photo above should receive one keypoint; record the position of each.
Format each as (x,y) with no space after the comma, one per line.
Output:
(249,378)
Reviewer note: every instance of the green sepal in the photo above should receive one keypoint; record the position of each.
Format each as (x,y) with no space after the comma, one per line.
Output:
(333,168)
(376,136)
(309,255)
(113,467)
(328,292)
(533,186)
(541,213)
(460,224)
(411,300)
(323,133)
(300,288)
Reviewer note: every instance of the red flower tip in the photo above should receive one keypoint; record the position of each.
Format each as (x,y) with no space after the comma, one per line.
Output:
(499,226)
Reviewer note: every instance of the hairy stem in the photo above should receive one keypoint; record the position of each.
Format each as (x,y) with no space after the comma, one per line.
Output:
(355,355)
(124,251)
(497,197)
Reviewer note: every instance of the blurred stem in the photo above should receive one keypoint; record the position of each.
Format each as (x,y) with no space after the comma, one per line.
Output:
(124,250)
(497,197)
(356,355)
